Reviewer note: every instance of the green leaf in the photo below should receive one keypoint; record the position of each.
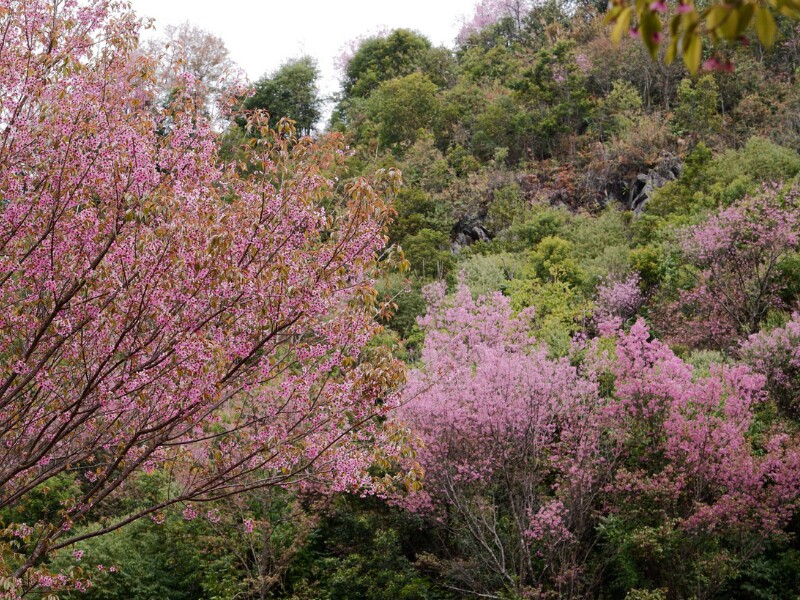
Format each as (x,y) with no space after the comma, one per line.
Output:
(765,26)
(730,25)
(745,16)
(672,51)
(789,8)
(674,26)
(612,15)
(649,27)
(622,24)
(693,52)
(716,15)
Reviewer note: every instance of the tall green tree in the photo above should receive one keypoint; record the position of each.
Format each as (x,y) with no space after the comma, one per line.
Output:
(379,59)
(398,54)
(402,107)
(291,91)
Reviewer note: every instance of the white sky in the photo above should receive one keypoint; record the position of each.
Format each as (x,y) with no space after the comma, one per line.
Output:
(260,35)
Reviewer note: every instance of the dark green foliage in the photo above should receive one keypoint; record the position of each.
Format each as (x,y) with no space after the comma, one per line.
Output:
(503,124)
(173,560)
(403,107)
(416,210)
(653,559)
(508,207)
(410,304)
(553,92)
(398,54)
(43,502)
(428,251)
(457,118)
(789,278)
(495,63)
(538,224)
(696,114)
(291,91)
(771,575)
(363,549)
(616,114)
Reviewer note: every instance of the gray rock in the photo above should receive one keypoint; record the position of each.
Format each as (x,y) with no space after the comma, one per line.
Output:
(641,189)
(468,231)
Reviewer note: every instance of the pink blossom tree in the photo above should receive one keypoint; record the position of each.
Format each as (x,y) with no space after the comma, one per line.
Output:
(618,298)
(186,49)
(776,355)
(690,437)
(162,309)
(509,445)
(732,260)
(692,474)
(530,462)
(489,12)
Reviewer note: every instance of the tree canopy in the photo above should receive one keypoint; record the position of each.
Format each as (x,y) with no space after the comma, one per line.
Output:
(291,91)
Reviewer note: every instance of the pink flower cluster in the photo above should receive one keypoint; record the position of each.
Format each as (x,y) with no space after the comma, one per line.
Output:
(493,410)
(690,437)
(732,258)
(511,435)
(489,12)
(618,298)
(776,355)
(149,288)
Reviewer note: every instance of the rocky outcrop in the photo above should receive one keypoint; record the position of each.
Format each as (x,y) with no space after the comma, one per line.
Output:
(468,231)
(551,184)
(642,188)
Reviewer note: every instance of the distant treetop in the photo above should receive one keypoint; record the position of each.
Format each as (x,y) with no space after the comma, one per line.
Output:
(382,58)
(291,91)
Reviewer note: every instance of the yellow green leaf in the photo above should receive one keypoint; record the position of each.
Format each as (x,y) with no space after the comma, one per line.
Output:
(611,15)
(745,16)
(674,26)
(716,15)
(693,52)
(765,26)
(650,30)
(672,51)
(790,8)
(730,25)
(622,25)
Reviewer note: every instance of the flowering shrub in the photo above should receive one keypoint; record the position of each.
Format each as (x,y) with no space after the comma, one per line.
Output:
(524,455)
(776,355)
(487,13)
(619,298)
(732,260)
(687,443)
(501,426)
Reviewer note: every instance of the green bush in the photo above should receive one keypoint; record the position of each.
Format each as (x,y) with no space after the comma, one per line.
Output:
(410,304)
(553,260)
(416,211)
(401,108)
(696,114)
(428,253)
(484,274)
(508,207)
(538,223)
(759,161)
(618,111)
